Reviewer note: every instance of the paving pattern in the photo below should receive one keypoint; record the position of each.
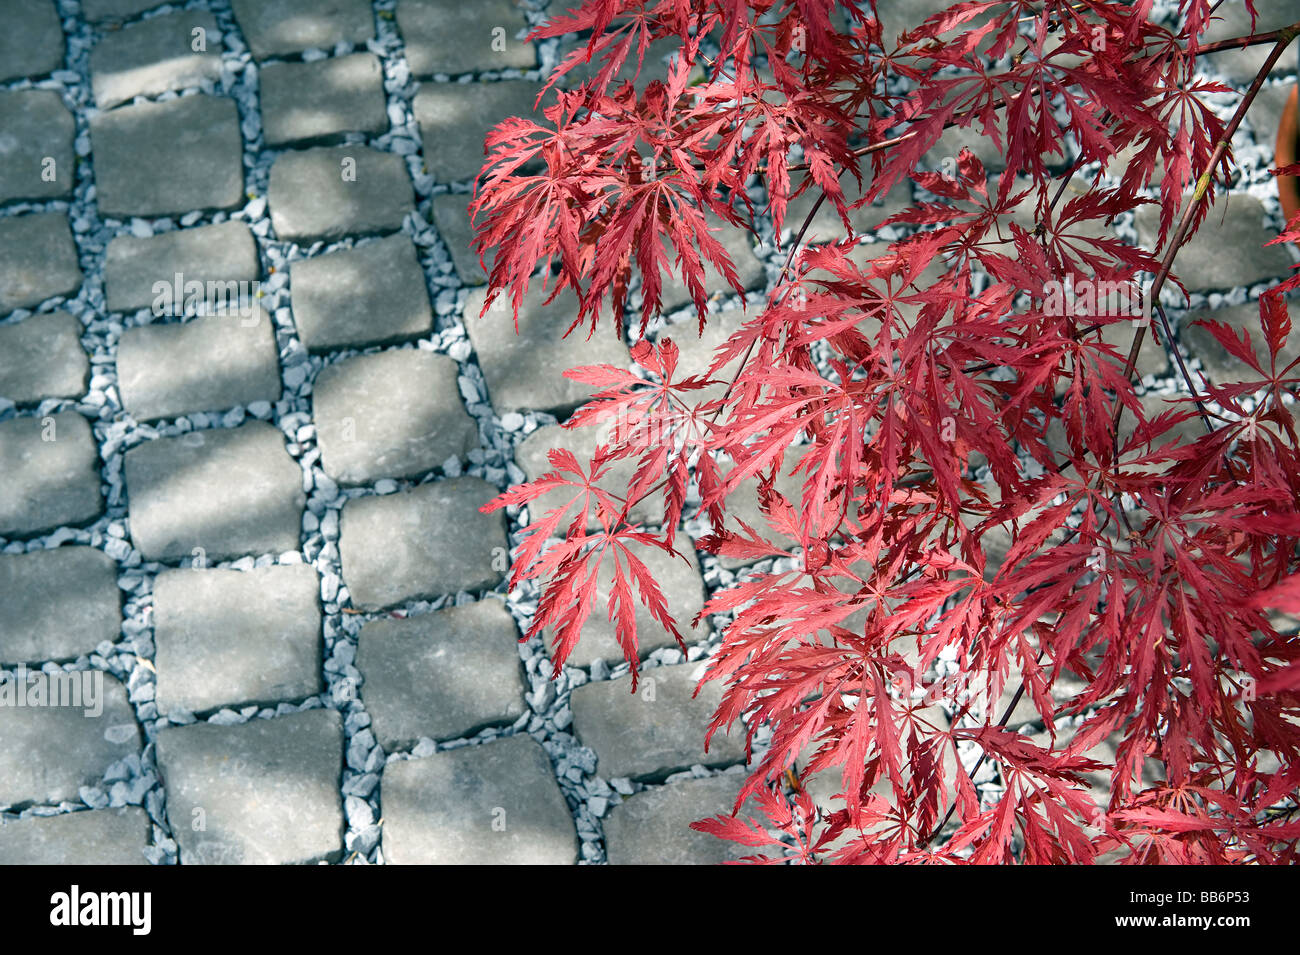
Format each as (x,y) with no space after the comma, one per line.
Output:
(243,545)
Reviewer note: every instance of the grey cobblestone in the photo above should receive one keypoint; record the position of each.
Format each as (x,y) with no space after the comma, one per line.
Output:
(373,294)
(98,11)
(652,827)
(396,414)
(38,260)
(491,804)
(32,43)
(280,27)
(422,543)
(447,36)
(455,119)
(262,793)
(441,675)
(334,191)
(229,637)
(99,837)
(451,216)
(322,100)
(48,753)
(159,159)
(154,56)
(226,492)
(214,256)
(41,357)
(526,370)
(205,364)
(51,469)
(657,731)
(36,160)
(57,604)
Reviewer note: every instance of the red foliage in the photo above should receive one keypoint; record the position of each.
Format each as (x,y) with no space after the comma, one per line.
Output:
(1142,564)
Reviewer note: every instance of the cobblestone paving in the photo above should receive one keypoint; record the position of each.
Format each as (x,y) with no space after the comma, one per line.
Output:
(246,543)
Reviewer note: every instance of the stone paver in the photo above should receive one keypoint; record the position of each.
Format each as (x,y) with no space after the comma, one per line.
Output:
(154,56)
(373,294)
(531,456)
(455,119)
(1201,263)
(97,11)
(48,752)
(422,543)
(218,257)
(451,216)
(653,827)
(229,492)
(494,804)
(57,604)
(333,191)
(448,36)
(683,587)
(41,357)
(278,27)
(51,474)
(657,731)
(38,260)
(1222,366)
(396,414)
(441,675)
(525,369)
(36,159)
(161,159)
(322,100)
(265,792)
(228,637)
(32,41)
(205,364)
(99,837)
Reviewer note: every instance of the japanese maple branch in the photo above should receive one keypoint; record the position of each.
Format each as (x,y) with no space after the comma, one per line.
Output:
(1285,36)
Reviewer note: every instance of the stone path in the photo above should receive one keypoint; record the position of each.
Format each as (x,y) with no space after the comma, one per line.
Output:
(243,547)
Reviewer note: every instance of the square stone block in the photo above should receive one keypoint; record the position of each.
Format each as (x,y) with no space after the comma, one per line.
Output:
(492,804)
(36,159)
(334,191)
(57,604)
(455,119)
(322,100)
(443,675)
(280,27)
(1237,222)
(657,731)
(154,56)
(396,414)
(267,791)
(205,364)
(98,11)
(157,273)
(422,543)
(99,837)
(69,728)
(371,294)
(445,36)
(525,369)
(165,159)
(215,494)
(32,42)
(41,357)
(653,827)
(229,637)
(38,260)
(51,474)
